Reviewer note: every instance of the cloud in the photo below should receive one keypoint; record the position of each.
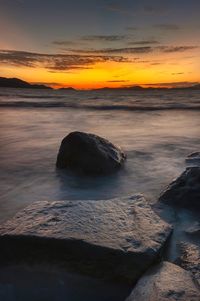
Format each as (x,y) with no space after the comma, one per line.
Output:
(134,50)
(127,50)
(177,73)
(177,48)
(143,42)
(131,8)
(106,38)
(54,62)
(74,59)
(170,27)
(122,9)
(118,81)
(67,43)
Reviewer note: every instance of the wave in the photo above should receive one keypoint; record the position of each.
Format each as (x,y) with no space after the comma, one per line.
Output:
(57,104)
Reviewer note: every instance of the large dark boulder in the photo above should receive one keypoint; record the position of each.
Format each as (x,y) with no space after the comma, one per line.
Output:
(185,190)
(165,282)
(89,153)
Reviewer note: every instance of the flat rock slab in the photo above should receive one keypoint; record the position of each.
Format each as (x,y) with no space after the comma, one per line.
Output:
(118,238)
(166,282)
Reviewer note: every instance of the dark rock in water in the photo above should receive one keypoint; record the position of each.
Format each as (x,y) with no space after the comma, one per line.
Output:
(194,230)
(165,282)
(89,153)
(190,259)
(185,190)
(193,158)
(117,239)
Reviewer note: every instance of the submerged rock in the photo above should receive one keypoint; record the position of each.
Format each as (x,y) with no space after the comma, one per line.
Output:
(190,259)
(89,153)
(118,238)
(185,190)
(165,282)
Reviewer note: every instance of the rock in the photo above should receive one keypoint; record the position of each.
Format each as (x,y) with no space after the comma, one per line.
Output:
(165,282)
(193,158)
(194,230)
(114,239)
(190,259)
(185,190)
(89,153)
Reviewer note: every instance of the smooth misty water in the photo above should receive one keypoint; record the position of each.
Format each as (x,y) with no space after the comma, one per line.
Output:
(156,142)
(33,123)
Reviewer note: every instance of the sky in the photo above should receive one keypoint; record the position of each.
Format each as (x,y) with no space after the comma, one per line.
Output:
(89,44)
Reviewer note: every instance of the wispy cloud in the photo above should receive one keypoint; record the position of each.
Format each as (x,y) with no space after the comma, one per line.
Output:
(169,27)
(54,62)
(106,38)
(144,42)
(177,48)
(127,50)
(118,81)
(68,43)
(135,50)
(177,73)
(119,8)
(130,8)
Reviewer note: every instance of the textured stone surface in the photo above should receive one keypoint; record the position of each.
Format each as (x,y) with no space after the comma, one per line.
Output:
(89,153)
(118,238)
(185,190)
(165,282)
(194,230)
(190,259)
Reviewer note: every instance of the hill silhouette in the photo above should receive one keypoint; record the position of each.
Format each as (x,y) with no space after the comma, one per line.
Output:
(18,83)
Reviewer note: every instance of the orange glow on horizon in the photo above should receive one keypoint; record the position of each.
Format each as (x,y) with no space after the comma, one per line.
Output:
(111,74)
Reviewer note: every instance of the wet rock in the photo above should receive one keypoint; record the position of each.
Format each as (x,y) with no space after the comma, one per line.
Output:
(193,158)
(89,153)
(185,190)
(117,239)
(165,282)
(194,230)
(190,259)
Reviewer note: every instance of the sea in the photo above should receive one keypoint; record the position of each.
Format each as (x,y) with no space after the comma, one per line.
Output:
(157,129)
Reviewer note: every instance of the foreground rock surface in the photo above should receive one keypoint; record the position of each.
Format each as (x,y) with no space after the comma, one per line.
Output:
(165,282)
(118,238)
(190,259)
(185,190)
(89,153)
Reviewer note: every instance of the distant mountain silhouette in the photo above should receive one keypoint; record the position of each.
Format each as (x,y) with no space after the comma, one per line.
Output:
(139,88)
(18,83)
(67,89)
(120,88)
(194,87)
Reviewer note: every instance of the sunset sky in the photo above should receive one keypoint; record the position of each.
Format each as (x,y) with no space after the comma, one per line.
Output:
(99,43)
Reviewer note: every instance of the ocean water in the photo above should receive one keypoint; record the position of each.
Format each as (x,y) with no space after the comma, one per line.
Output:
(157,130)
(33,123)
